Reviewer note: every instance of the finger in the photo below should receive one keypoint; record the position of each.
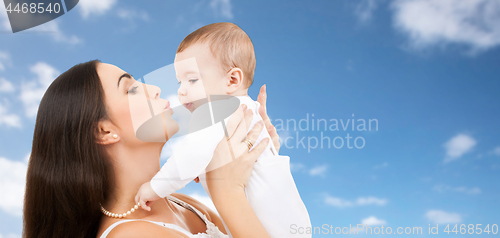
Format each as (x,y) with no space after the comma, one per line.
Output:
(274,137)
(255,132)
(242,129)
(144,206)
(258,149)
(263,114)
(240,147)
(262,98)
(248,118)
(234,121)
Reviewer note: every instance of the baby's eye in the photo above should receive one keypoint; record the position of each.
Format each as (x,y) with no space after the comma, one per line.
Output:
(193,80)
(133,90)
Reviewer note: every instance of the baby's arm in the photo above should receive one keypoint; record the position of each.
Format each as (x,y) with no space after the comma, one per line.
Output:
(186,163)
(164,183)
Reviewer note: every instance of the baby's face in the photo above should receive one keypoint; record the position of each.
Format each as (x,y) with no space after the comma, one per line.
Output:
(199,74)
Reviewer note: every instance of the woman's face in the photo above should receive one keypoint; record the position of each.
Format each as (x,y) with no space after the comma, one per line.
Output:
(130,104)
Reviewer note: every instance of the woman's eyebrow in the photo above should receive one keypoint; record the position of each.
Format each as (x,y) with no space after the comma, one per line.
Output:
(126,75)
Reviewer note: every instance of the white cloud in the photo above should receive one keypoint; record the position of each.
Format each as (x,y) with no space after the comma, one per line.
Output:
(174,100)
(442,217)
(496,151)
(474,23)
(32,91)
(472,191)
(457,146)
(4,60)
(6,86)
(8,119)
(361,201)
(52,29)
(444,188)
(364,10)
(379,166)
(373,221)
(10,235)
(130,14)
(12,184)
(371,201)
(338,202)
(318,170)
(222,8)
(4,19)
(205,200)
(27,158)
(296,167)
(283,135)
(95,7)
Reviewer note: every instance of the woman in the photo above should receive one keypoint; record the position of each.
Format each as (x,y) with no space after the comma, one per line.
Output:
(86,160)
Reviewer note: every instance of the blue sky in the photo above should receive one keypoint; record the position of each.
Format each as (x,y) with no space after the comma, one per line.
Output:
(426,71)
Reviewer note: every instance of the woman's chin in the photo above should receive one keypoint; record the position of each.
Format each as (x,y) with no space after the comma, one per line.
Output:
(159,128)
(172,128)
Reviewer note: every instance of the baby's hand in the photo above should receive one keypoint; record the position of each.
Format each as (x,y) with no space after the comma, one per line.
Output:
(146,195)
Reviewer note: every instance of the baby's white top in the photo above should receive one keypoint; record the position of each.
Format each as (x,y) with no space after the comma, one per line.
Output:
(196,151)
(271,190)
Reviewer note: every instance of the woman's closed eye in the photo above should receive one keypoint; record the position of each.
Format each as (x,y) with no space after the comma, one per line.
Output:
(133,90)
(193,80)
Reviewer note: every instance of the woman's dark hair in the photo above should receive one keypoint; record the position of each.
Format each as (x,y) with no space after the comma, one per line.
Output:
(69,173)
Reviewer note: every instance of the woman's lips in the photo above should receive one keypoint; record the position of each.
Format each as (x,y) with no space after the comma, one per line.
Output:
(167,107)
(188,105)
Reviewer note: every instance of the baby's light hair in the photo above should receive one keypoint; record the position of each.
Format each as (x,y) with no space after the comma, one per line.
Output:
(229,44)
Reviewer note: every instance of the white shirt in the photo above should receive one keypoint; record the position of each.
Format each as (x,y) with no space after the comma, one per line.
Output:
(271,190)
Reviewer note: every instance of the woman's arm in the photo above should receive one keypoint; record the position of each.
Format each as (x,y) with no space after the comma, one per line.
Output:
(227,183)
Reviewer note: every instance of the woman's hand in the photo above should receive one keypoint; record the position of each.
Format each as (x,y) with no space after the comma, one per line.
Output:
(232,163)
(262,99)
(231,169)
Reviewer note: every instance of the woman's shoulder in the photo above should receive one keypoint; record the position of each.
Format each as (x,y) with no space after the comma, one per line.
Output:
(140,228)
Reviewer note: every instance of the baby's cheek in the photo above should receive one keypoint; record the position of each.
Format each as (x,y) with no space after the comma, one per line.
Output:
(201,92)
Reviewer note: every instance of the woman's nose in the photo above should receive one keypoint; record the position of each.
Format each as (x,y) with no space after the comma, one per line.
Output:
(153,91)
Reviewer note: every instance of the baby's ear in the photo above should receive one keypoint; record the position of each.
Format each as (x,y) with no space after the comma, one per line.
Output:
(235,79)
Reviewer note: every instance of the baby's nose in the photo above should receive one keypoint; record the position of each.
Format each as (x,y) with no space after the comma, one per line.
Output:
(181,92)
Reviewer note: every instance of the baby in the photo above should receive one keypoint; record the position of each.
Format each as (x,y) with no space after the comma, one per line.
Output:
(219,59)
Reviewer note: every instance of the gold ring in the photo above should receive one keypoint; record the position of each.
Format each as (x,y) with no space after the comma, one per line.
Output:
(249,144)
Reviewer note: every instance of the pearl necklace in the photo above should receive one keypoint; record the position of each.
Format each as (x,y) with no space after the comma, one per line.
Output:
(114,215)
